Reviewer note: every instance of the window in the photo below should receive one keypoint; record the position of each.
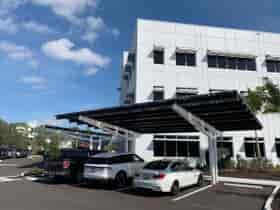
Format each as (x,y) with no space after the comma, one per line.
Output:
(158,56)
(227,62)
(159,148)
(273,66)
(251,147)
(232,63)
(222,62)
(225,145)
(173,146)
(277,146)
(212,61)
(158,95)
(185,59)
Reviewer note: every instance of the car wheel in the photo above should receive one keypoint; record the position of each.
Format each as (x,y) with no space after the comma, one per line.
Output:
(121,179)
(200,180)
(175,188)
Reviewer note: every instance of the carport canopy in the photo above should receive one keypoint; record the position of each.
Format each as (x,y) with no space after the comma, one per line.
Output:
(225,111)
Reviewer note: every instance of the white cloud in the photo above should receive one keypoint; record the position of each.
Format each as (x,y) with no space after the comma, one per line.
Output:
(36,82)
(94,26)
(50,121)
(8,25)
(8,6)
(33,80)
(69,9)
(116,33)
(91,71)
(18,52)
(36,27)
(62,49)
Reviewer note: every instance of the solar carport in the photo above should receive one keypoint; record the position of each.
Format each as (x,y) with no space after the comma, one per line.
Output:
(210,114)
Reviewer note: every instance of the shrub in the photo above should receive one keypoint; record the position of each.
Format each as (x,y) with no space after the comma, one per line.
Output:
(229,164)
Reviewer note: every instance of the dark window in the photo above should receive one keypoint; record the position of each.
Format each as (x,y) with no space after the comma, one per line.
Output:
(277,146)
(177,166)
(222,62)
(270,65)
(191,60)
(232,63)
(251,149)
(158,57)
(157,165)
(273,66)
(185,59)
(193,149)
(212,61)
(170,148)
(226,62)
(226,148)
(180,59)
(242,63)
(182,148)
(188,149)
(184,94)
(158,148)
(158,95)
(251,65)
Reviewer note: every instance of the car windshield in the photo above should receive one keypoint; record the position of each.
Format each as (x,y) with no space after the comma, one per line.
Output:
(157,165)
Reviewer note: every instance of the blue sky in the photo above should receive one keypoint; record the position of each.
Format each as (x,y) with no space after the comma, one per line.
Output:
(64,55)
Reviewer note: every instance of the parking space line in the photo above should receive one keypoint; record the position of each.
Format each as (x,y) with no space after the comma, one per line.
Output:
(191,193)
(244,185)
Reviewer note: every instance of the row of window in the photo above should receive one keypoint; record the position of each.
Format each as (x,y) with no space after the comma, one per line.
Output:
(175,148)
(217,61)
(158,92)
(224,62)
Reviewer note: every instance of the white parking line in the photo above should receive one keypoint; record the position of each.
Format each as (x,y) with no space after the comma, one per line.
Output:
(6,179)
(8,165)
(192,193)
(244,185)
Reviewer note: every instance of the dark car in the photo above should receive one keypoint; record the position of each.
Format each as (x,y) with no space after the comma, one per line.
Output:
(3,153)
(69,164)
(22,153)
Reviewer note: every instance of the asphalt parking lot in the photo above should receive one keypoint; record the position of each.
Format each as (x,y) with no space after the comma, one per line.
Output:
(23,194)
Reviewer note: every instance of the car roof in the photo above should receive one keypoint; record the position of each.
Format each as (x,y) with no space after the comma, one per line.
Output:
(111,154)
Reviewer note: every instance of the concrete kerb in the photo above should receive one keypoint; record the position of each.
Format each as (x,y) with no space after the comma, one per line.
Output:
(269,201)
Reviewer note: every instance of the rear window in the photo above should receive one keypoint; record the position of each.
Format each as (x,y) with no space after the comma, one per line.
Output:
(74,153)
(100,161)
(157,165)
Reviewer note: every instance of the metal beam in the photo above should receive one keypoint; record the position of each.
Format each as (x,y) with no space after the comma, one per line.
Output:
(208,130)
(196,122)
(111,129)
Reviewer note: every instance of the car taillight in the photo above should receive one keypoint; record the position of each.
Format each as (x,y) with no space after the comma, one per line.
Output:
(159,176)
(66,164)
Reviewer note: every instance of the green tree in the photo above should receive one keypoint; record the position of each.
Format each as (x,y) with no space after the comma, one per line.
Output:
(263,99)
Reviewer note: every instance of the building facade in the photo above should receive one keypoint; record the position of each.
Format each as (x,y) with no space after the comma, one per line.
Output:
(169,60)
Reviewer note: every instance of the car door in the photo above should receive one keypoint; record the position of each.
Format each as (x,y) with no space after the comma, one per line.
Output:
(178,173)
(190,177)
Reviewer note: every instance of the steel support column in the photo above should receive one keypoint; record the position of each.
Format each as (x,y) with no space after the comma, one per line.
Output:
(207,129)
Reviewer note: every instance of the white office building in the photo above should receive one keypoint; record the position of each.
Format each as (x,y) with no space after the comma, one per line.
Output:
(169,60)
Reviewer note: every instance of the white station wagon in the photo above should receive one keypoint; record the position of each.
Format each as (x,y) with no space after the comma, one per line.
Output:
(113,167)
(167,176)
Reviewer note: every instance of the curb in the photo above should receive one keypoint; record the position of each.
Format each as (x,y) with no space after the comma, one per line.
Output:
(268,203)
